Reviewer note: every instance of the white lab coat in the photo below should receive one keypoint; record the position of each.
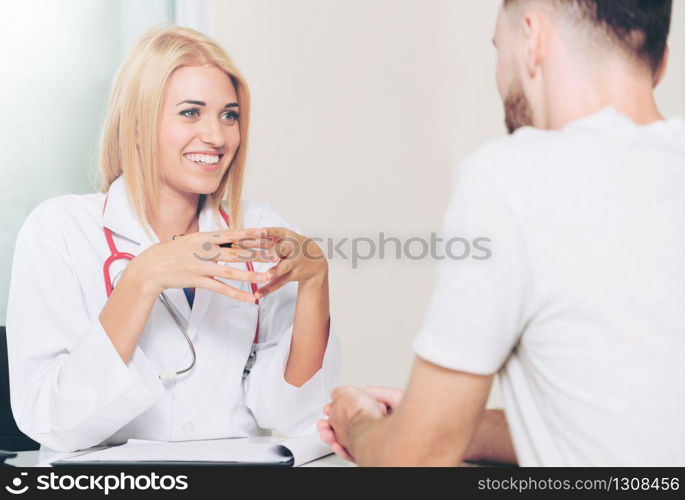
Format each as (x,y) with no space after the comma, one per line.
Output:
(70,389)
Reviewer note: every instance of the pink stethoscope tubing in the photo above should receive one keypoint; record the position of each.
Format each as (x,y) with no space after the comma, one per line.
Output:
(115,255)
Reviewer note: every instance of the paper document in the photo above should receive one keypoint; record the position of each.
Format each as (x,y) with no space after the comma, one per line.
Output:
(266,450)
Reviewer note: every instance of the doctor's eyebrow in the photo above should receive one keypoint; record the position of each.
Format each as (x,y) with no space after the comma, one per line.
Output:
(202,103)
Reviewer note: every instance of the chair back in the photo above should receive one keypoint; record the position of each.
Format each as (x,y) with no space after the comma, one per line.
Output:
(11,438)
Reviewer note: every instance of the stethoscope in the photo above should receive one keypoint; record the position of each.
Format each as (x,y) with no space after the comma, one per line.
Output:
(115,255)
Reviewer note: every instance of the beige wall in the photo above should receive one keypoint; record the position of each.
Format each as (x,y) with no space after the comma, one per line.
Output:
(361,110)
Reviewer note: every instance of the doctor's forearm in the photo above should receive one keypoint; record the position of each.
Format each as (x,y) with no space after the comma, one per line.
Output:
(310,331)
(126,312)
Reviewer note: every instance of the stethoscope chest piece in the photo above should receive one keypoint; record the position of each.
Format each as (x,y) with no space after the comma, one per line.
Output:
(250,361)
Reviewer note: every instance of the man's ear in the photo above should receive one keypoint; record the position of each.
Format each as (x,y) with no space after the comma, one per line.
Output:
(533,32)
(661,70)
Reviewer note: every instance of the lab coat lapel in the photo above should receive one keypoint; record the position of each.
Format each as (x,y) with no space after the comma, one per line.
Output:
(203,297)
(120,218)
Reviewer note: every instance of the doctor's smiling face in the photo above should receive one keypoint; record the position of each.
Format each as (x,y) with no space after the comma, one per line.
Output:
(198,129)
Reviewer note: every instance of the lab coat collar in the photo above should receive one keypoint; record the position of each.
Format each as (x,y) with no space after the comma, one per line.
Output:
(120,216)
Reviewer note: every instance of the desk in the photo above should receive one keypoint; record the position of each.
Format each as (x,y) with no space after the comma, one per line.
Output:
(32,459)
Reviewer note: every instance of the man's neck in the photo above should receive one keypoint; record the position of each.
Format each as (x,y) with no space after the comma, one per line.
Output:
(573,98)
(175,213)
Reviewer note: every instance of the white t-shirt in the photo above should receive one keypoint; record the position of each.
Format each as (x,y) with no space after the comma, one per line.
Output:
(581,306)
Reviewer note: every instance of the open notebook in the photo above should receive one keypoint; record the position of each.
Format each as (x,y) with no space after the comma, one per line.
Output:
(262,450)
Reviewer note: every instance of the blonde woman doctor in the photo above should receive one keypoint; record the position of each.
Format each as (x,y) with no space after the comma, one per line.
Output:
(107,286)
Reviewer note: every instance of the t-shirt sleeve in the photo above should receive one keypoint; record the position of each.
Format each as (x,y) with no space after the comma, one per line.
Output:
(476,314)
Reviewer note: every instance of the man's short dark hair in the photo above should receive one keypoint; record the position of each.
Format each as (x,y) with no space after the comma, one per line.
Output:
(639,26)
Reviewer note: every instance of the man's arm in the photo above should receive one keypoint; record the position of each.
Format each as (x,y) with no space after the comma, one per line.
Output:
(492,440)
(432,426)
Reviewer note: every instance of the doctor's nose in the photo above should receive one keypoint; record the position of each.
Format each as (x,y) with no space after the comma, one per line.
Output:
(211,133)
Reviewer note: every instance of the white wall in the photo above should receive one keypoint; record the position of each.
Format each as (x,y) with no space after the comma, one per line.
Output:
(361,110)
(671,91)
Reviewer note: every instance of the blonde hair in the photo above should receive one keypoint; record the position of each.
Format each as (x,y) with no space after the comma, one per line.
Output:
(129,139)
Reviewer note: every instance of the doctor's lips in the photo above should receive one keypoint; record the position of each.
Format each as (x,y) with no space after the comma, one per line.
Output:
(206,160)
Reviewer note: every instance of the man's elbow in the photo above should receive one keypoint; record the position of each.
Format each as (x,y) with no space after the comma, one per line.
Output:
(419,454)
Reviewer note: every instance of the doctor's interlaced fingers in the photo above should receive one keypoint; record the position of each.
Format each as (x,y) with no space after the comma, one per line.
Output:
(164,307)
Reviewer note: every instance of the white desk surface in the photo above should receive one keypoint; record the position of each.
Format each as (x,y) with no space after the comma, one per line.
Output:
(32,458)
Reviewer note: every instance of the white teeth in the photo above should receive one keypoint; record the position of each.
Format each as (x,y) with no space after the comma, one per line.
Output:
(206,159)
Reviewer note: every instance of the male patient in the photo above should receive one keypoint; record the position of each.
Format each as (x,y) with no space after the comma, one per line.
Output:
(581,308)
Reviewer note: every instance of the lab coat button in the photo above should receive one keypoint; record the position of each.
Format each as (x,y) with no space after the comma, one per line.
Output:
(188,428)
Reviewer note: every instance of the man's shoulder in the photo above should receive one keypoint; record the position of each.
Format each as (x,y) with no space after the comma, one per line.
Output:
(532,158)
(514,154)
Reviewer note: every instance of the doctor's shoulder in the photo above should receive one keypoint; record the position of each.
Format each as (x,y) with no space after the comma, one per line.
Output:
(57,220)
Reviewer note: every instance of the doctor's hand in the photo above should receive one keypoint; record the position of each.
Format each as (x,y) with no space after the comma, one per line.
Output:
(192,260)
(301,260)
(387,398)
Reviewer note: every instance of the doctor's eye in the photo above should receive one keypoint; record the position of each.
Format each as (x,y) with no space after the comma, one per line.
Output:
(190,113)
(230,116)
